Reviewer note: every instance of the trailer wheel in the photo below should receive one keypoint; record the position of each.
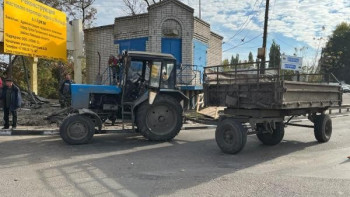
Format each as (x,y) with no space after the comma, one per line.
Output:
(323,128)
(162,120)
(77,129)
(230,136)
(271,139)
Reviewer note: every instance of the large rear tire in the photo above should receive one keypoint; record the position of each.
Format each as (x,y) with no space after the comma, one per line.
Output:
(77,129)
(323,128)
(230,136)
(271,139)
(162,120)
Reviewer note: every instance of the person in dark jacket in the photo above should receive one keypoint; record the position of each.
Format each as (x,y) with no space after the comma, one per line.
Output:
(65,91)
(11,96)
(1,87)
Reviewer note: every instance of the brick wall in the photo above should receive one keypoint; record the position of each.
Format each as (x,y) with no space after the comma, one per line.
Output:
(171,10)
(215,49)
(101,40)
(131,27)
(201,30)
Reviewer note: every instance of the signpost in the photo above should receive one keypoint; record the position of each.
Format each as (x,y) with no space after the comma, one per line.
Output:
(1,27)
(34,29)
(291,63)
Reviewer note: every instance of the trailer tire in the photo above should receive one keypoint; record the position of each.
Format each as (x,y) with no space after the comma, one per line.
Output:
(77,129)
(271,139)
(230,136)
(323,128)
(162,120)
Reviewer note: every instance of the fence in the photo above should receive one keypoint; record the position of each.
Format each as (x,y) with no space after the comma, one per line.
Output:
(252,72)
(339,108)
(189,75)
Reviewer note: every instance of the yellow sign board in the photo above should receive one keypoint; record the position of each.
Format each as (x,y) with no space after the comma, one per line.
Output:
(34,29)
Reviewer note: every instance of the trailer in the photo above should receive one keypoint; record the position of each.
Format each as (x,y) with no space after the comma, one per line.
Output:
(267,103)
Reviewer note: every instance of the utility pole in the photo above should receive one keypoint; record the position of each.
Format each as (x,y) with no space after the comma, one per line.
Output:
(9,70)
(200,10)
(263,60)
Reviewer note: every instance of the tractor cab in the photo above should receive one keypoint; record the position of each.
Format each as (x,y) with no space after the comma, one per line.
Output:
(147,71)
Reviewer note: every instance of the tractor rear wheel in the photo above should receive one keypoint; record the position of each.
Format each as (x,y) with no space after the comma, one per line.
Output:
(77,129)
(162,120)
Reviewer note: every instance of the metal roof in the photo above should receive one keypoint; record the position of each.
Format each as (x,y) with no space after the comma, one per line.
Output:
(150,55)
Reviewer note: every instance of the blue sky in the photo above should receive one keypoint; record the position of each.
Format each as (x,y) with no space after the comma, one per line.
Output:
(294,24)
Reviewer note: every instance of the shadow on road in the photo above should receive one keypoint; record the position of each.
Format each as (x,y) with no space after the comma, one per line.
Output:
(129,165)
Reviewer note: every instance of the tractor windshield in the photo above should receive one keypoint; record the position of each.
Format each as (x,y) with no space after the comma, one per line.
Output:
(155,74)
(168,75)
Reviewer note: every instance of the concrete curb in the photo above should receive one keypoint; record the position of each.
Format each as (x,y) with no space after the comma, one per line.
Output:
(29,132)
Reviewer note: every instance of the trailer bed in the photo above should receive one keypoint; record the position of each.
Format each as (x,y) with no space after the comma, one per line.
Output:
(245,88)
(273,95)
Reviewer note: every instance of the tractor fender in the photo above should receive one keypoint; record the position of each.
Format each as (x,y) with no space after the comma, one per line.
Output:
(177,94)
(93,116)
(141,99)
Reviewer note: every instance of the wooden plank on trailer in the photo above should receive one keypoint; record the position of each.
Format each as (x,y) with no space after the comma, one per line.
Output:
(212,112)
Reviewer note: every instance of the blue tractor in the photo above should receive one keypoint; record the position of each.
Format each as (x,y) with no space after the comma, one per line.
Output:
(146,97)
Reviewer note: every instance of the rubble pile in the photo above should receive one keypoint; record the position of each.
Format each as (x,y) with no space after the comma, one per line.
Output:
(35,109)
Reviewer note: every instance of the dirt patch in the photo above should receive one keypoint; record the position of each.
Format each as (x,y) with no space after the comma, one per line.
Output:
(35,116)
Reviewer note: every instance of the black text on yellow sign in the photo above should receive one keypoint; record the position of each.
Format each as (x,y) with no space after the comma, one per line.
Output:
(34,29)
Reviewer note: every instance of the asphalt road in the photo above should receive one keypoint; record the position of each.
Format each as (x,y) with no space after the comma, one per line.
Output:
(191,165)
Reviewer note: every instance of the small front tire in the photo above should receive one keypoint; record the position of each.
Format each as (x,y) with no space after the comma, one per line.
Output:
(77,129)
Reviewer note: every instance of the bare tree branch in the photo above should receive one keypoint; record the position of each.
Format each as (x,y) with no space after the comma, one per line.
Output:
(147,3)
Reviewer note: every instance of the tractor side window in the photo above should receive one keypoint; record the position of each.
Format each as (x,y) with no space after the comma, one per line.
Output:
(135,70)
(155,74)
(168,75)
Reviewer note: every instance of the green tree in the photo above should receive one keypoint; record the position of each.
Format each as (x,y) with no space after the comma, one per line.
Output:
(250,57)
(226,64)
(275,55)
(237,59)
(233,60)
(335,56)
(75,9)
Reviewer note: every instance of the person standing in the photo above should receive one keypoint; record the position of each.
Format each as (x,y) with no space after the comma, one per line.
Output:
(11,96)
(65,91)
(1,87)
(115,64)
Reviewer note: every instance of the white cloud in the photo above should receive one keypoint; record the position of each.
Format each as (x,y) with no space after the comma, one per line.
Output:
(300,21)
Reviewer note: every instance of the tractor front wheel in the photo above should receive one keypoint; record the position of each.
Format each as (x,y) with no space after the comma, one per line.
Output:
(77,129)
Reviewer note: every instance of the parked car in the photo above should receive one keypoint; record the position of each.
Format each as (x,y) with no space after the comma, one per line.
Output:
(345,88)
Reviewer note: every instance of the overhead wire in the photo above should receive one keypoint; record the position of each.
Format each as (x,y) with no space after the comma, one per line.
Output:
(245,22)
(243,43)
